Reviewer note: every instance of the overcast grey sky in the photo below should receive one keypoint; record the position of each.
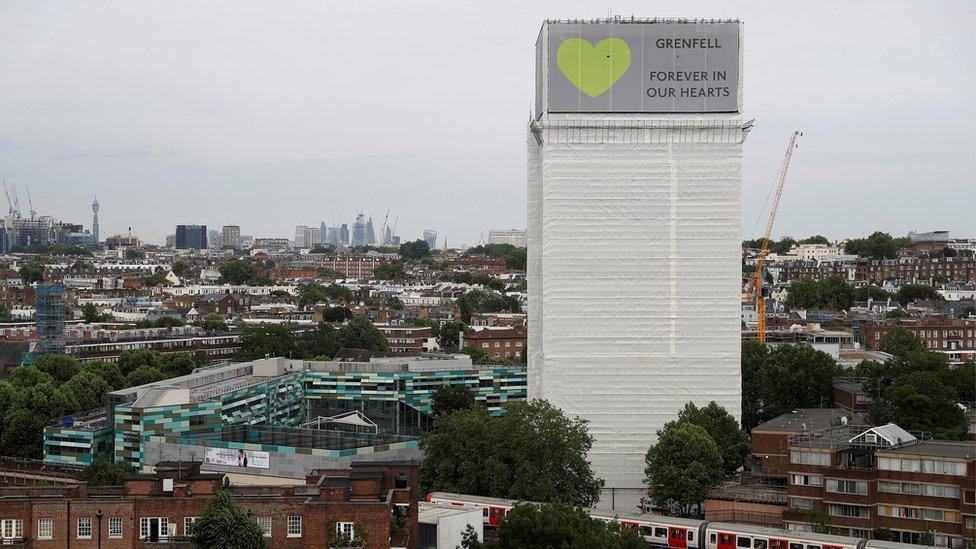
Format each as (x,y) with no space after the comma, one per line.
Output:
(272,114)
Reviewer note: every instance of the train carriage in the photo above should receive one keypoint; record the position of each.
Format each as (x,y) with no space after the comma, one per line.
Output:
(724,535)
(682,533)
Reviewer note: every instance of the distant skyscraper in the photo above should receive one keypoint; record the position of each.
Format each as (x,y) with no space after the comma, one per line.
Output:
(515,237)
(370,233)
(191,237)
(430,237)
(344,234)
(214,239)
(171,241)
(231,235)
(95,221)
(359,231)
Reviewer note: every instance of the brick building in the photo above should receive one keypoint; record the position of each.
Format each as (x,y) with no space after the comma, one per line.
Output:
(858,480)
(373,500)
(406,340)
(359,266)
(908,269)
(506,343)
(953,337)
(479,262)
(883,479)
(222,303)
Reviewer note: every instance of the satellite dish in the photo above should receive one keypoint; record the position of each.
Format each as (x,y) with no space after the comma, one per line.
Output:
(843,420)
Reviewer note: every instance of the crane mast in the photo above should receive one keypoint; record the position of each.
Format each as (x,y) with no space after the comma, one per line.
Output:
(756,284)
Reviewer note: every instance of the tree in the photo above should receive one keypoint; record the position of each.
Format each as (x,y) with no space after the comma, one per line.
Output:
(213,322)
(389,271)
(224,524)
(783,379)
(143,375)
(183,269)
(870,291)
(310,294)
(450,332)
(830,293)
(414,251)
(899,341)
(815,239)
(796,376)
(477,354)
(322,342)
(532,452)
(359,333)
(88,390)
(176,364)
(103,472)
(32,272)
(485,301)
(323,249)
(108,371)
(682,466)
(130,360)
(551,525)
(23,433)
(515,257)
(260,340)
(89,313)
(134,254)
(60,367)
(158,278)
(325,272)
(897,313)
(451,398)
(336,314)
(877,246)
(242,271)
(911,292)
(731,440)
(394,303)
(5,314)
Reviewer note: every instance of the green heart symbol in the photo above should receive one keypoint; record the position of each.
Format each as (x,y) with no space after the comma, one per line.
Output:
(593,69)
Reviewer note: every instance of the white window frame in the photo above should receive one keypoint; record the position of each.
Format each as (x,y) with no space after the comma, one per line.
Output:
(115,528)
(87,521)
(11,528)
(187,523)
(144,527)
(346,528)
(294,526)
(45,528)
(265,524)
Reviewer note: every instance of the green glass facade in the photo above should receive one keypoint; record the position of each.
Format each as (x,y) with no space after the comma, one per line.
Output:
(287,400)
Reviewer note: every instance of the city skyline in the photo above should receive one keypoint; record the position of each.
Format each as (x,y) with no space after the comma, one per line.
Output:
(212,134)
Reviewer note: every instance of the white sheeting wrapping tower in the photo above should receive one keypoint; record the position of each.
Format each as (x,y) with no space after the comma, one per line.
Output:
(634,270)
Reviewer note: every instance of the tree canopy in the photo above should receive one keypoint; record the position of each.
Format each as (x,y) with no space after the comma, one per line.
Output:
(225,524)
(877,246)
(552,525)
(829,293)
(242,272)
(390,271)
(515,257)
(683,465)
(451,398)
(103,472)
(486,301)
(414,251)
(782,379)
(918,389)
(32,272)
(732,442)
(910,292)
(532,452)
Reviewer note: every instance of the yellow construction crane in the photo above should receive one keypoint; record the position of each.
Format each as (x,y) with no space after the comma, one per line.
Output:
(756,287)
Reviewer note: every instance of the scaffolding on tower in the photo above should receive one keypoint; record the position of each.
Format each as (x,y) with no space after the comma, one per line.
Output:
(50,318)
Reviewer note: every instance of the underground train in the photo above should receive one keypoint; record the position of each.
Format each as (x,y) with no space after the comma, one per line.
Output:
(683,533)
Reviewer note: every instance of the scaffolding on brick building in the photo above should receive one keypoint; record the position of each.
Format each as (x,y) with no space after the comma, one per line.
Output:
(50,318)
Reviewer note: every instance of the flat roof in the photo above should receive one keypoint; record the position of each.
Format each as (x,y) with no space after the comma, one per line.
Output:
(808,419)
(432,513)
(937,448)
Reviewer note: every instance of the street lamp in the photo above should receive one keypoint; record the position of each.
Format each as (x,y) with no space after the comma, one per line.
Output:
(99,516)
